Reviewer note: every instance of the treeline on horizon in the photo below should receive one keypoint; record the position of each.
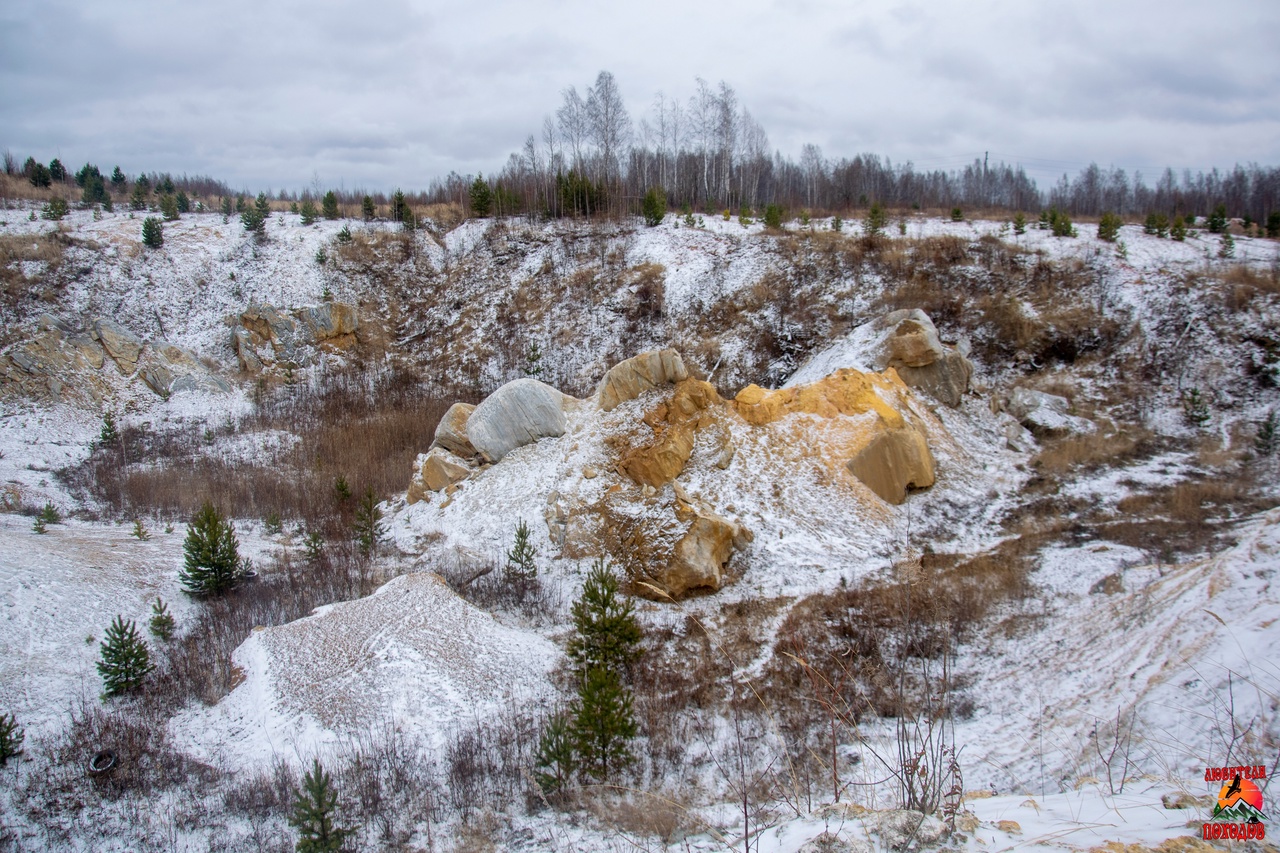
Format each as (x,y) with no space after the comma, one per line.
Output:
(709,154)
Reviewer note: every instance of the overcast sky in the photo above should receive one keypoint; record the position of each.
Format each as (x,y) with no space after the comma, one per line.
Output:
(379,94)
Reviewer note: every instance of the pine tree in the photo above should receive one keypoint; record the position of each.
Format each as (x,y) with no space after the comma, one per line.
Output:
(308,211)
(314,811)
(138,201)
(55,208)
(152,233)
(555,762)
(57,171)
(50,514)
(522,566)
(367,209)
(1178,230)
(603,722)
(329,205)
(11,737)
(254,219)
(184,203)
(1217,223)
(873,223)
(161,625)
(368,522)
(117,179)
(481,197)
(397,206)
(606,626)
(125,660)
(1273,224)
(1019,223)
(109,435)
(1109,227)
(773,217)
(654,206)
(226,207)
(140,530)
(169,207)
(211,554)
(38,174)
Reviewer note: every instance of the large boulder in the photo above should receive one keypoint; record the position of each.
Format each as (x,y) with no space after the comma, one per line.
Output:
(122,345)
(518,413)
(628,379)
(893,462)
(911,346)
(1046,415)
(435,471)
(905,340)
(451,432)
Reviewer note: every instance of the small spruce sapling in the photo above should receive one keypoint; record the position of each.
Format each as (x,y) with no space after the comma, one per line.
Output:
(125,661)
(140,530)
(654,206)
(308,211)
(55,208)
(1019,223)
(50,514)
(1178,230)
(341,491)
(314,814)
(161,625)
(109,434)
(367,209)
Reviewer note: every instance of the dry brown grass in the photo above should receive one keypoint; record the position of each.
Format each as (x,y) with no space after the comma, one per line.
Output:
(1109,448)
(367,435)
(1241,284)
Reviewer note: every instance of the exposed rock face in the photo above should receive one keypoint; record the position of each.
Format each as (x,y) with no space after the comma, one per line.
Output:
(520,412)
(121,344)
(628,379)
(894,461)
(674,423)
(1046,415)
(266,335)
(451,432)
(668,547)
(912,347)
(61,364)
(845,392)
(436,470)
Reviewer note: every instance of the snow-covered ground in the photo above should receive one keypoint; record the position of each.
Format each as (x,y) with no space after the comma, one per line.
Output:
(1178,652)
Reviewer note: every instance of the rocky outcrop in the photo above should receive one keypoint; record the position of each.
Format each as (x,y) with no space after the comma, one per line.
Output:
(911,346)
(845,392)
(518,413)
(628,379)
(668,544)
(674,422)
(1046,415)
(265,335)
(451,432)
(121,344)
(61,364)
(435,471)
(893,462)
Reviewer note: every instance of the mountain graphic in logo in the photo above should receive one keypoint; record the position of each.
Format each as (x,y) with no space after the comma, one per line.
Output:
(1239,801)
